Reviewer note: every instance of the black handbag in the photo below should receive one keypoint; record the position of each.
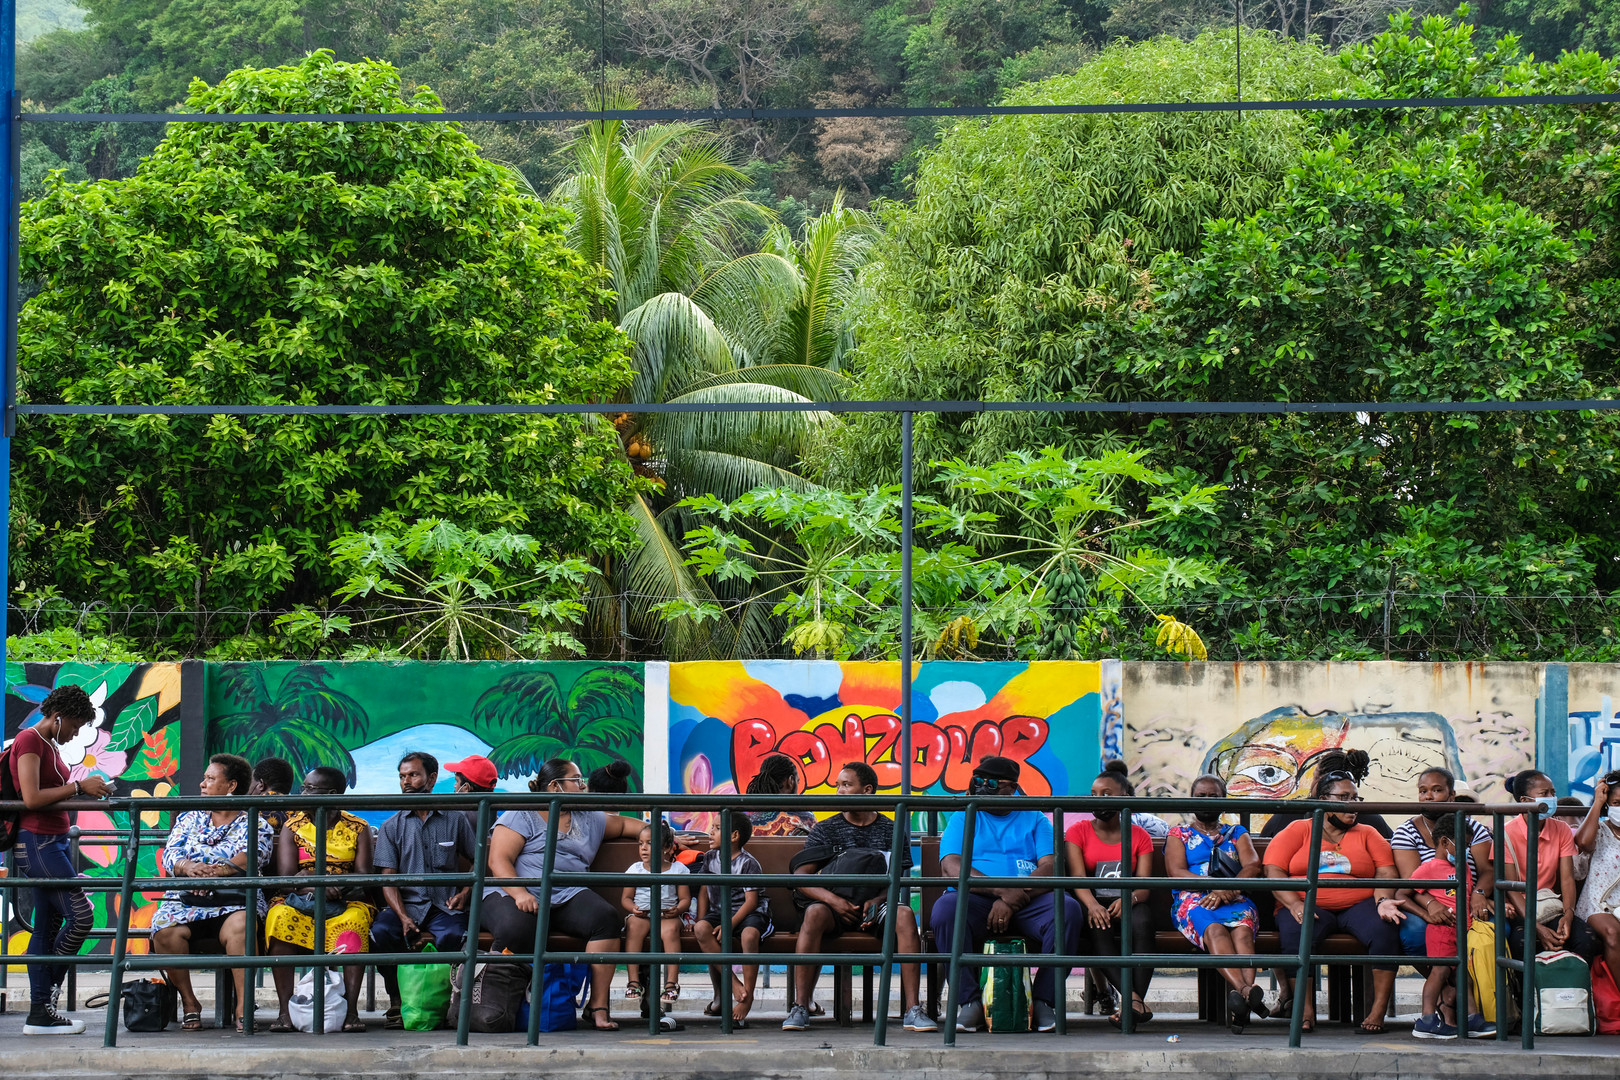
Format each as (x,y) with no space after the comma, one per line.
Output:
(215,898)
(149,1005)
(1223,864)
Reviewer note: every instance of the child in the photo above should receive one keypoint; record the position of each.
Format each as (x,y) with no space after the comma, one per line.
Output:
(676,903)
(750,916)
(1439,1019)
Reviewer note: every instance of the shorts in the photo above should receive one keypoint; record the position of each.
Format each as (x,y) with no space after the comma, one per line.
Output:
(205,934)
(685,918)
(758,920)
(839,926)
(1440,941)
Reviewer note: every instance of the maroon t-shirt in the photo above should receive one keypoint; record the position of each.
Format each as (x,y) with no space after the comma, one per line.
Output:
(53,772)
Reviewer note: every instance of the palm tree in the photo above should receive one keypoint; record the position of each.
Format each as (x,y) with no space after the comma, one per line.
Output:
(529,719)
(301,721)
(662,211)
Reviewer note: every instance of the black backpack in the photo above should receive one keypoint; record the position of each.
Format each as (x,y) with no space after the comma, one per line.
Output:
(848,861)
(10,820)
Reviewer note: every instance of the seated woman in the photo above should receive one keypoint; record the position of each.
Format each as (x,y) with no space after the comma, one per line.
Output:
(517,848)
(1222,921)
(1599,837)
(203,846)
(1413,844)
(1096,850)
(290,925)
(1348,850)
(778,775)
(1560,925)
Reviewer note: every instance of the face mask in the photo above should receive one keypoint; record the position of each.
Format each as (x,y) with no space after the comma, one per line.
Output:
(1451,858)
(1106,816)
(1434,815)
(1207,817)
(1549,806)
(1614,816)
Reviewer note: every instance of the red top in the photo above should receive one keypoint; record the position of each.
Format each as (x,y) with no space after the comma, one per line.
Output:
(1094,850)
(53,772)
(1438,869)
(1358,855)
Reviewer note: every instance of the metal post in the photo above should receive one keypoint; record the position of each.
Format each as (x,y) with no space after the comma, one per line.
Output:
(247,1002)
(475,903)
(1237,27)
(905,604)
(542,930)
(652,983)
(726,933)
(1127,974)
(319,942)
(9,190)
(1307,927)
(126,896)
(1465,922)
(891,927)
(1498,903)
(1527,1014)
(1060,863)
(953,995)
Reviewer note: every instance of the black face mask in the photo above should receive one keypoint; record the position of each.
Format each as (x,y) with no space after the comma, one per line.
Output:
(1208,817)
(1106,816)
(1435,815)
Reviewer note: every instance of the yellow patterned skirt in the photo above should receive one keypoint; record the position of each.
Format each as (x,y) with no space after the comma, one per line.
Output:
(286,923)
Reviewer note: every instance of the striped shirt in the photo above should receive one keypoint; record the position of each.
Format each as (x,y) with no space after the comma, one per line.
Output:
(433,845)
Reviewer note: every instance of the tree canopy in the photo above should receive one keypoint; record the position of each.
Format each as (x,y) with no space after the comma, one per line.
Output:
(309,264)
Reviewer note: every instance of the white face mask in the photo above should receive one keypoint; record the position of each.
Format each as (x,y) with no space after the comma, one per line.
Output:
(1614,816)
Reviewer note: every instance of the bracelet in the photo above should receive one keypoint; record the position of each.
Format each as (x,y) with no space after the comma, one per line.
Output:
(78,789)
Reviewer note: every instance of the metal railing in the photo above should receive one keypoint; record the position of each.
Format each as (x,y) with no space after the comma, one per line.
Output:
(253,882)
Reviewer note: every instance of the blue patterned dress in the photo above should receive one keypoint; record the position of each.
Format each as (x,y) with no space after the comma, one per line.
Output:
(195,837)
(1192,919)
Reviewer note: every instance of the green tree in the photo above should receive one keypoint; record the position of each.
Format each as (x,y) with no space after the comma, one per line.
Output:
(661,211)
(1024,227)
(310,264)
(304,720)
(530,719)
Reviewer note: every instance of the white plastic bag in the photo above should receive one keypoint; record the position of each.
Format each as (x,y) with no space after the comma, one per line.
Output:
(301,1006)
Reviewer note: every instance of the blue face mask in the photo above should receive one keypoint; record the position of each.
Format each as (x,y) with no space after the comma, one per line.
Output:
(1451,858)
(1549,806)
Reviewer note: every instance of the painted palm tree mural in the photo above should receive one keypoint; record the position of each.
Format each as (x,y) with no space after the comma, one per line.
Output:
(528,717)
(303,720)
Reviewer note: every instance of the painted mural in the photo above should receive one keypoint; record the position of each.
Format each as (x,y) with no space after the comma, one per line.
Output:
(725,717)
(133,743)
(362,716)
(1263,726)
(1594,724)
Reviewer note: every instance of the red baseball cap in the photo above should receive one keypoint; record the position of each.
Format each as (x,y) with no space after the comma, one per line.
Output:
(477,769)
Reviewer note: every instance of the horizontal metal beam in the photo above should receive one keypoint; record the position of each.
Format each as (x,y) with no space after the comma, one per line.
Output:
(1242,408)
(576,116)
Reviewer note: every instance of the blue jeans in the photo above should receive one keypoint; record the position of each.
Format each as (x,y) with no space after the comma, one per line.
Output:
(448,929)
(1035,922)
(1413,935)
(63,918)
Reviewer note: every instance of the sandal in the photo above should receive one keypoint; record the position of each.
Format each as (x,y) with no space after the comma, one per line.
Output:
(634,990)
(1363,1029)
(354,1026)
(671,994)
(192,1021)
(282,1027)
(609,1026)
(393,1020)
(1307,1026)
(712,1008)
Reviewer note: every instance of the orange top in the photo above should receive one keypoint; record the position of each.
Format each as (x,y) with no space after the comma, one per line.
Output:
(1358,855)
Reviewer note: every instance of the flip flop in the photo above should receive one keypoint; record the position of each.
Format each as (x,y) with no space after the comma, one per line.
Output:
(282,1027)
(192,1021)
(354,1026)
(594,1026)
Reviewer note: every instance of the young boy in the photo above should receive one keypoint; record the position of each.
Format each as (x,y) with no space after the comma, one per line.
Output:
(750,917)
(1439,1019)
(675,904)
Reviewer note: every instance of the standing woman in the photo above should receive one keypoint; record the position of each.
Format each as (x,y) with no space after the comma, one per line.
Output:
(1413,844)
(1095,850)
(1348,850)
(62,917)
(1222,922)
(517,848)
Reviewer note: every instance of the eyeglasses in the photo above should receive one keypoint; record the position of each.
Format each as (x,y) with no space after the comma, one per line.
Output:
(580,780)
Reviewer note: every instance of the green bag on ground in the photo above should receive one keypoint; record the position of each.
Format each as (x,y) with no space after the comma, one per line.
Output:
(424,990)
(1006,991)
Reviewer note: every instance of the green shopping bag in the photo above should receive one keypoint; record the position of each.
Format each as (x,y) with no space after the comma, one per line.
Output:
(1006,990)
(424,990)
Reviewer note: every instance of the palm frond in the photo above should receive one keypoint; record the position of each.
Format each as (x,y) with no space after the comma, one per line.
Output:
(243,683)
(676,344)
(812,383)
(304,693)
(606,691)
(524,754)
(748,299)
(524,701)
(657,573)
(728,476)
(306,745)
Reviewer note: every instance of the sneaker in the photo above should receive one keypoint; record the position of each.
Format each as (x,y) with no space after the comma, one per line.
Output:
(798,1019)
(970,1017)
(1433,1027)
(45,1020)
(1045,1016)
(917,1019)
(1480,1028)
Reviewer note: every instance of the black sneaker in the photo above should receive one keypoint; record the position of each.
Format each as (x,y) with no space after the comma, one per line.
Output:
(45,1020)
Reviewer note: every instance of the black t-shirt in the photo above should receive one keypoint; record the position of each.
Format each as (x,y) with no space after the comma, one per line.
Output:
(838,834)
(1279,822)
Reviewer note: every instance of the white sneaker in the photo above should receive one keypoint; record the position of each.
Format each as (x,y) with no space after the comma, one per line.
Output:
(970,1017)
(45,1020)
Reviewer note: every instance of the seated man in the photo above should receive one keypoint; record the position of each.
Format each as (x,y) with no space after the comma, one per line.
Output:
(420,842)
(1006,843)
(832,911)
